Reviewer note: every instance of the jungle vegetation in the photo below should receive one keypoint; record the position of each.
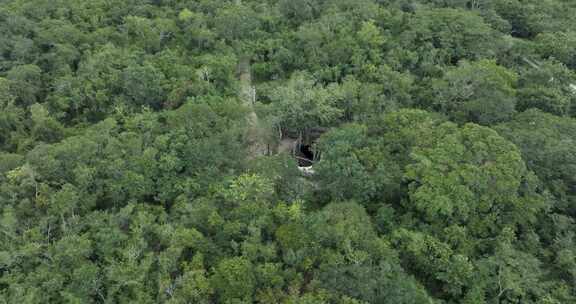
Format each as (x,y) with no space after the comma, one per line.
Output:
(138,157)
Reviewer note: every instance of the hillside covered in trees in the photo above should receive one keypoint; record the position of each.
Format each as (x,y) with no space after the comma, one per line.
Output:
(152,151)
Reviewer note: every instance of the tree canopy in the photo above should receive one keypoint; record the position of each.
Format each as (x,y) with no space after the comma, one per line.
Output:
(442,137)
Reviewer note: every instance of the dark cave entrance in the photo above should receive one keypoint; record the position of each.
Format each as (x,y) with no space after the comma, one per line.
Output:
(305,156)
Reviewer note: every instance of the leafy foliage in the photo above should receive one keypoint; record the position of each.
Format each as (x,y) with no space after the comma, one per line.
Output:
(443,133)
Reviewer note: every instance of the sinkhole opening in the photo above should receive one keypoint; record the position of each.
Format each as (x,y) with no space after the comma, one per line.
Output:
(305,156)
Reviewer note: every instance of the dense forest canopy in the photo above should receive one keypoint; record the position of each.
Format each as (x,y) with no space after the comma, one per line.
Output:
(141,155)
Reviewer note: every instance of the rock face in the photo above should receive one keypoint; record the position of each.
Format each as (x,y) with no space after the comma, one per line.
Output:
(287,145)
(307,171)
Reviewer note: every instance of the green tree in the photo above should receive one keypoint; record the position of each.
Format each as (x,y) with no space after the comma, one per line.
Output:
(26,83)
(300,10)
(355,262)
(45,128)
(143,85)
(236,21)
(545,141)
(11,117)
(341,172)
(558,45)
(481,92)
(302,104)
(445,36)
(472,176)
(547,87)
(234,280)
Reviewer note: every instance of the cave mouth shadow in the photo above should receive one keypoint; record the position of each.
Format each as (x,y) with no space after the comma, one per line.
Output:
(305,156)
